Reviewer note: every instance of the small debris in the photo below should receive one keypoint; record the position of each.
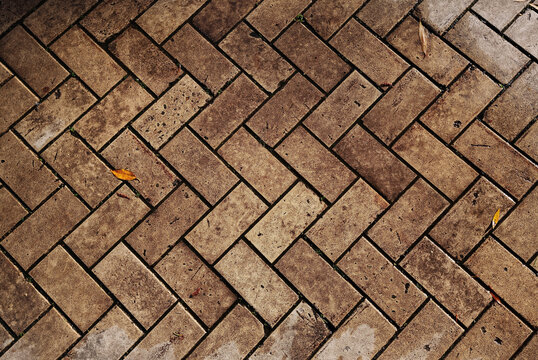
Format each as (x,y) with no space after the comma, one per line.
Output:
(123,196)
(195,293)
(423,37)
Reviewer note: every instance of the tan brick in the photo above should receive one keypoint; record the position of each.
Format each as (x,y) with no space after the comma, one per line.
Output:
(285,221)
(232,338)
(104,227)
(145,59)
(341,108)
(347,219)
(165,16)
(83,170)
(49,223)
(296,337)
(30,61)
(460,104)
(200,57)
(319,166)
(20,303)
(496,335)
(509,278)
(47,339)
(438,164)
(442,63)
(464,225)
(226,222)
(368,53)
(5,338)
(445,280)
(112,113)
(407,219)
(498,12)
(498,159)
(427,336)
(89,61)
(11,111)
(326,16)
(400,106)
(487,48)
(172,338)
(171,111)
(156,180)
(272,16)
(134,285)
(228,111)
(54,16)
(284,110)
(312,56)
(161,229)
(318,282)
(256,57)
(71,288)
(53,115)
(12,211)
(186,273)
(391,290)
(524,93)
(257,165)
(12,11)
(530,350)
(110,17)
(528,143)
(382,15)
(23,172)
(199,166)
(440,14)
(522,29)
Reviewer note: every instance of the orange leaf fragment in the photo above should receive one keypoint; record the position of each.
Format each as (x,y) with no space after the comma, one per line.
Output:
(123,174)
(196,292)
(495,297)
(495,219)
(534,6)
(423,36)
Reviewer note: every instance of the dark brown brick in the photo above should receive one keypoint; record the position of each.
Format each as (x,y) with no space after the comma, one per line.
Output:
(11,111)
(12,211)
(11,11)
(326,16)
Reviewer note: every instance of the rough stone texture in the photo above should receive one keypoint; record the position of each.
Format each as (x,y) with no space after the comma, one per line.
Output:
(272,16)
(530,350)
(11,111)
(5,338)
(528,143)
(382,15)
(498,12)
(522,29)
(440,14)
(326,16)
(11,11)
(12,211)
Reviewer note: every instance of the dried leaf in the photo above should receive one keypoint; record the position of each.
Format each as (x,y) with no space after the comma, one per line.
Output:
(495,297)
(423,36)
(122,196)
(520,0)
(495,218)
(534,6)
(123,174)
(196,292)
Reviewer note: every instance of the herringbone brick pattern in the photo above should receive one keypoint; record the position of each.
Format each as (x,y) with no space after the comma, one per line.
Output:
(310,185)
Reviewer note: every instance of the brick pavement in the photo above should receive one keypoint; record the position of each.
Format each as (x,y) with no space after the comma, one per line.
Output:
(310,185)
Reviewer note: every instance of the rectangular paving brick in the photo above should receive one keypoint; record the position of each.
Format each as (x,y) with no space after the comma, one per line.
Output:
(498,159)
(296,337)
(285,221)
(185,272)
(228,111)
(134,285)
(465,223)
(256,57)
(199,166)
(257,165)
(440,14)
(318,165)
(49,223)
(157,124)
(20,303)
(112,113)
(144,59)
(12,211)
(83,170)
(226,222)
(272,16)
(55,114)
(23,172)
(347,219)
(382,15)
(326,16)
(256,282)
(232,338)
(407,219)
(312,56)
(445,280)
(54,16)
(12,11)
(487,48)
(71,288)
(522,29)
(498,12)
(11,111)
(400,106)
(443,63)
(30,61)
(381,281)
(529,350)
(434,161)
(284,110)
(202,60)
(164,226)
(427,336)
(368,53)
(5,338)
(458,106)
(527,142)
(507,277)
(4,73)
(341,108)
(105,226)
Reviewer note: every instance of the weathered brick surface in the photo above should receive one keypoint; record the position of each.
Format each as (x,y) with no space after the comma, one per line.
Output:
(391,12)
(11,111)
(326,16)
(11,209)
(272,16)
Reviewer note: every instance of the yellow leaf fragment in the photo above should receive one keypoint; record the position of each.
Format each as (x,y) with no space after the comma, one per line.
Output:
(123,174)
(423,37)
(534,6)
(495,218)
